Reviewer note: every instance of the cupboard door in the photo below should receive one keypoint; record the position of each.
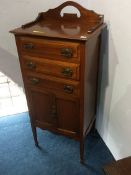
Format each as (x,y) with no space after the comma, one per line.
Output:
(68,115)
(43,107)
(51,111)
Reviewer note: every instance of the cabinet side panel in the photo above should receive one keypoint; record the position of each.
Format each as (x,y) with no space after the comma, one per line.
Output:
(90,86)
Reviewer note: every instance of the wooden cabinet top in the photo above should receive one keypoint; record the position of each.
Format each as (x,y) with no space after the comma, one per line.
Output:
(69,26)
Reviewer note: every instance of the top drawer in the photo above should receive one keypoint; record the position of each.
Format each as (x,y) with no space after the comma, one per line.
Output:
(49,49)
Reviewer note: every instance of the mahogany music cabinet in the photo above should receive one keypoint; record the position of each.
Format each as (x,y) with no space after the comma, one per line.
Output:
(59,56)
(119,167)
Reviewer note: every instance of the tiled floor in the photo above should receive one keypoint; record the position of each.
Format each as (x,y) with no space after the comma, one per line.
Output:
(12,98)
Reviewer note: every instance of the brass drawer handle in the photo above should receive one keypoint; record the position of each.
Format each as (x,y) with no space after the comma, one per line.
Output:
(28,46)
(67,72)
(66,52)
(34,81)
(31,65)
(68,89)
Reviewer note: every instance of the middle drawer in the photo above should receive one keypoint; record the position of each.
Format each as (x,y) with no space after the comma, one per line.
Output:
(51,67)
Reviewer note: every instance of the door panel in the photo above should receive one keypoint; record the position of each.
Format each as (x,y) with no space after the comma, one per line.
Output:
(68,114)
(41,104)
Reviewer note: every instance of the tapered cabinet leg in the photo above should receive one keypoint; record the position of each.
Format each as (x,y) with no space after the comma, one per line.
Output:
(82,151)
(34,134)
(94,128)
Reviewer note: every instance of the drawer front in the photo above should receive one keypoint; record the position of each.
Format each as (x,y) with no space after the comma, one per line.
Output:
(67,88)
(51,67)
(50,49)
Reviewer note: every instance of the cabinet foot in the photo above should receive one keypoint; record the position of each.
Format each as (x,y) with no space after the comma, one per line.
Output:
(35,135)
(82,161)
(36,144)
(82,151)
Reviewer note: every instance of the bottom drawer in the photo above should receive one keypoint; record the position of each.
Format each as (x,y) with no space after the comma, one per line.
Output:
(53,83)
